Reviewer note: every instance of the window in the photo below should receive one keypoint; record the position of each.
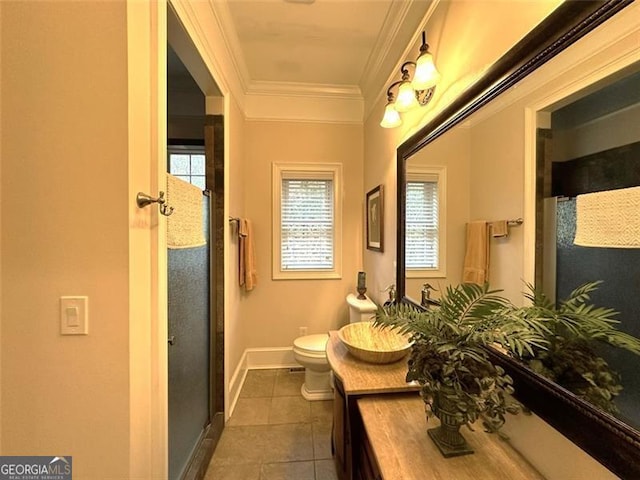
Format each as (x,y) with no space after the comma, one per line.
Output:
(188,164)
(307,202)
(425,222)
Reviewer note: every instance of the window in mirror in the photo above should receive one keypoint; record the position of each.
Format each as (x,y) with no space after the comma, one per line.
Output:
(425,222)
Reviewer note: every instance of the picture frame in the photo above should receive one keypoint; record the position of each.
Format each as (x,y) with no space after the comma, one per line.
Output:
(374,226)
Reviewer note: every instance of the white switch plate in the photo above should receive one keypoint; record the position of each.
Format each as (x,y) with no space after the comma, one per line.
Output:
(74,315)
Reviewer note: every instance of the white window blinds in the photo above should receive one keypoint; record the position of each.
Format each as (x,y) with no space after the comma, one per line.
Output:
(307,224)
(421,247)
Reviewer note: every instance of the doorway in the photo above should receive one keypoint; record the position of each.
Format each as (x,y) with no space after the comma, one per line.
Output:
(195,141)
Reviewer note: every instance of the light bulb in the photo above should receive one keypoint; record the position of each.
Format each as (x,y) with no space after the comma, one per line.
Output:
(406,98)
(391,118)
(426,75)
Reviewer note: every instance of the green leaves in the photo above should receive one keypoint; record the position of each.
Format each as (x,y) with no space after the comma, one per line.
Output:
(555,340)
(570,359)
(449,352)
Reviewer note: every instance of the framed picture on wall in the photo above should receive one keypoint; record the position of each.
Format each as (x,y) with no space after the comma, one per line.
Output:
(374,217)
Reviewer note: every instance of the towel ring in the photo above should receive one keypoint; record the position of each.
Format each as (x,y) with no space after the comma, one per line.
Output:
(143,200)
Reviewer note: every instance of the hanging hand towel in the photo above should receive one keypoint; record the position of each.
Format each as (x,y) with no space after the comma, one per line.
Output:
(184,225)
(247,261)
(476,259)
(609,219)
(499,229)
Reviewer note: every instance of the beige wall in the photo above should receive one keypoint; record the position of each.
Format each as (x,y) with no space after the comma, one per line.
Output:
(497,192)
(273,311)
(237,189)
(600,134)
(65,232)
(380,169)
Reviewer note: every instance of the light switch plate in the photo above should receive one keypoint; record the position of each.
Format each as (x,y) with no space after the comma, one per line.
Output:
(74,315)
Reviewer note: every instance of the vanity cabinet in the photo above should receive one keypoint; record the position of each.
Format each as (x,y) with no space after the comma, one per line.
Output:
(354,379)
(340,435)
(380,430)
(395,446)
(365,460)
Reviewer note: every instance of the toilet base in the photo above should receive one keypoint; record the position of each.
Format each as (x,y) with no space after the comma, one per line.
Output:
(315,395)
(317,385)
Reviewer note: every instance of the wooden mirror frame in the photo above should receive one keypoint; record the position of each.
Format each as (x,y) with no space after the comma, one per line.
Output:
(613,443)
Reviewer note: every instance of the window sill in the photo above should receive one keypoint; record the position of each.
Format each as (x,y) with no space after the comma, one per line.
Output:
(306,275)
(426,274)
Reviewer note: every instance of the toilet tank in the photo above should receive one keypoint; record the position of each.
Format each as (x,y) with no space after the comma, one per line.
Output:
(360,310)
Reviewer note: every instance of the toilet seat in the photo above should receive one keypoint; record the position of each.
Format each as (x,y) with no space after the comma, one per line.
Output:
(312,345)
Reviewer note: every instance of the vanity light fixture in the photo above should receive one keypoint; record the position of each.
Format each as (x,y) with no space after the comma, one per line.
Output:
(412,92)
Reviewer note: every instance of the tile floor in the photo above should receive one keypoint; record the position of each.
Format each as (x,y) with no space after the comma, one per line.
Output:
(274,433)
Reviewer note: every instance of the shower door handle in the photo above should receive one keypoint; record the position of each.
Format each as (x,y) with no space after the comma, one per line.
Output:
(171,339)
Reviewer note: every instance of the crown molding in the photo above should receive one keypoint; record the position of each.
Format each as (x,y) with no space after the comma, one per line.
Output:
(297,89)
(315,108)
(231,41)
(382,49)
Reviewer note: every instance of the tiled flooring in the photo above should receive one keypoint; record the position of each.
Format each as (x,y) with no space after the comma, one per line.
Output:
(274,433)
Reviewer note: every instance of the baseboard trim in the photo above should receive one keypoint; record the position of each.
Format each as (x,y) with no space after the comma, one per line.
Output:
(276,357)
(235,385)
(258,359)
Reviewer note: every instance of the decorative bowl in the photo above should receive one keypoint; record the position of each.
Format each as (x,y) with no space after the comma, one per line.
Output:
(374,344)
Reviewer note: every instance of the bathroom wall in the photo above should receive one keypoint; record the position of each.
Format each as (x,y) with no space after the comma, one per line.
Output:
(273,311)
(235,175)
(464,41)
(497,192)
(65,231)
(599,134)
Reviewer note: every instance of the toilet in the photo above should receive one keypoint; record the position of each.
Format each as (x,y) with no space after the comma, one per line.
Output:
(310,352)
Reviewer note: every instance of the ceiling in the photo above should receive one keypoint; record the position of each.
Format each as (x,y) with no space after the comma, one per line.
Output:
(315,46)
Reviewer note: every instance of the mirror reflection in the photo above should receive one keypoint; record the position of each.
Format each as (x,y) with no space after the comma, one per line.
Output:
(587,142)
(588,164)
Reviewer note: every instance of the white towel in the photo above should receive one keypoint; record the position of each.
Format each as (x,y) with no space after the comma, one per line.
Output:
(609,219)
(184,225)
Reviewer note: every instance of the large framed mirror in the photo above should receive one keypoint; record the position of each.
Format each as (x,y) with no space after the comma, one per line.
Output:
(545,82)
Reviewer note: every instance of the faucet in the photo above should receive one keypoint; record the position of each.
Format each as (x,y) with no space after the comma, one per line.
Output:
(427,301)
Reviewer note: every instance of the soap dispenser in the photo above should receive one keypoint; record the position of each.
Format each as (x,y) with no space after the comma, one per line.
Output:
(392,295)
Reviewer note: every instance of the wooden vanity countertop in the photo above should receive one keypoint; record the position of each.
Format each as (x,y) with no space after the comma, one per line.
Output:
(397,431)
(359,378)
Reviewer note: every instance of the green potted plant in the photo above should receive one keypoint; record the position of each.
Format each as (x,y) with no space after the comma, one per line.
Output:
(574,329)
(459,383)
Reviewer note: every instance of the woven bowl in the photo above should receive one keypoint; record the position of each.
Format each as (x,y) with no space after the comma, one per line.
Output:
(374,344)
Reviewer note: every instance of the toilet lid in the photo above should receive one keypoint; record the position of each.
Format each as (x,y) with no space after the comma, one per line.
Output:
(312,343)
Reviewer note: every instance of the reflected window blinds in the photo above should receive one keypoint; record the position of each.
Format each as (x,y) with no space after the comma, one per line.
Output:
(421,248)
